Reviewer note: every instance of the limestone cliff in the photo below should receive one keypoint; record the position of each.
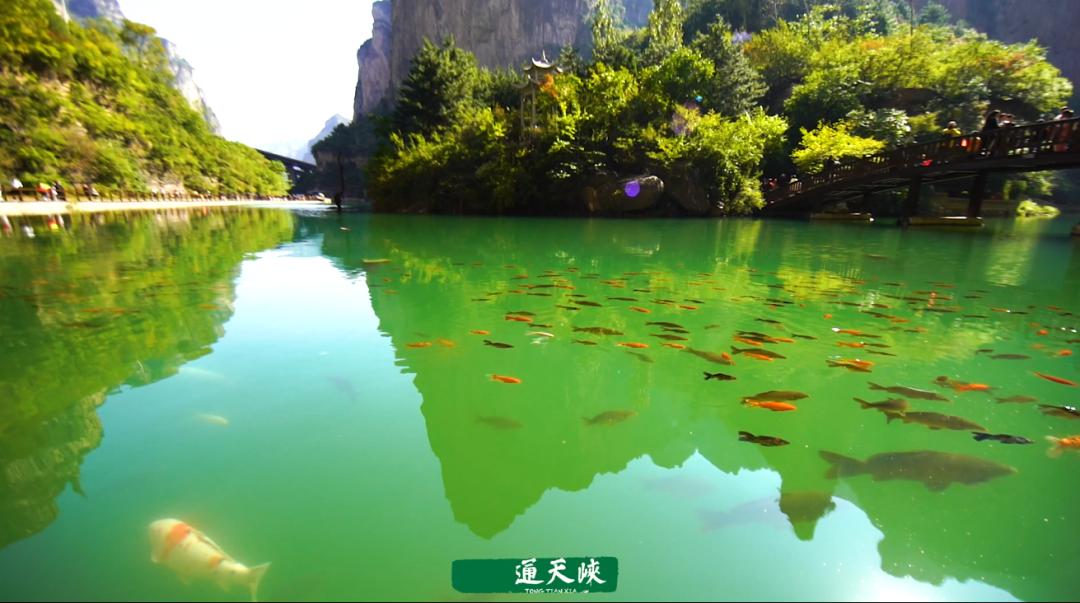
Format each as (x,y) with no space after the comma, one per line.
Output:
(183,74)
(1054,23)
(373,58)
(501,33)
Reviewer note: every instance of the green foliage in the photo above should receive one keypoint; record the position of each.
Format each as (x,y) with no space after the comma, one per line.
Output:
(439,87)
(96,104)
(935,14)
(890,126)
(726,153)
(831,141)
(927,127)
(735,86)
(1028,209)
(664,31)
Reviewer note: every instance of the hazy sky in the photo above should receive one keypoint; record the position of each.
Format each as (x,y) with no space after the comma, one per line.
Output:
(271,71)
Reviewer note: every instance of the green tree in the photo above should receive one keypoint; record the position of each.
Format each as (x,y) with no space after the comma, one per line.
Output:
(736,86)
(831,141)
(438,89)
(664,30)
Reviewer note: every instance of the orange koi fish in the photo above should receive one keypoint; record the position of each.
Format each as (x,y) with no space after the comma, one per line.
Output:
(850,345)
(899,320)
(673,345)
(783,340)
(1038,346)
(725,356)
(1061,445)
(1056,380)
(1065,353)
(848,331)
(520,292)
(505,379)
(633,345)
(827,316)
(688,307)
(747,341)
(386,280)
(773,406)
(1055,308)
(480,333)
(519,318)
(972,387)
(758,357)
(1042,332)
(446,342)
(418,345)
(642,310)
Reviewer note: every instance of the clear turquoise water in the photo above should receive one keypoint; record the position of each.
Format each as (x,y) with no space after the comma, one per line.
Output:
(357,466)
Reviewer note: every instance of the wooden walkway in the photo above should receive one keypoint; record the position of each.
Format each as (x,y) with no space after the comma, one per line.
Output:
(1043,146)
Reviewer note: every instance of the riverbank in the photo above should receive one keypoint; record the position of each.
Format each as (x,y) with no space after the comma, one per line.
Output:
(50,208)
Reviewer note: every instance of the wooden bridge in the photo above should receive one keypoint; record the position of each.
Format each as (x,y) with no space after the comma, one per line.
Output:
(1053,145)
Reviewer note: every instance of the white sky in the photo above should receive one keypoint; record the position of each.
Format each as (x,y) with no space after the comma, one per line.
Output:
(271,70)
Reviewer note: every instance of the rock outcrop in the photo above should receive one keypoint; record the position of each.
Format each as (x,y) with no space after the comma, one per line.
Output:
(501,33)
(373,58)
(183,74)
(328,128)
(626,194)
(1053,23)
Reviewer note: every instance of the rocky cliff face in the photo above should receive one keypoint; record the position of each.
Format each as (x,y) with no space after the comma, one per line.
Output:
(183,74)
(373,83)
(501,33)
(1054,23)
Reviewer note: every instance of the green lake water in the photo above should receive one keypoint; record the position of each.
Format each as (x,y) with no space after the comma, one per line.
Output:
(248,373)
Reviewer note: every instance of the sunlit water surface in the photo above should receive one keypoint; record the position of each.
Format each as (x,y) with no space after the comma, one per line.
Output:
(248,373)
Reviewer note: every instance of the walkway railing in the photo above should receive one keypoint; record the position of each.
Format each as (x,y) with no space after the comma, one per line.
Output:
(1029,142)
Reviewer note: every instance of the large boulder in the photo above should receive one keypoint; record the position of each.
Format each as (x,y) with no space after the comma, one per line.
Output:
(684,185)
(626,194)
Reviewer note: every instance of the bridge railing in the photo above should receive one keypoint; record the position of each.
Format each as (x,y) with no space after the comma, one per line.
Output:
(1027,141)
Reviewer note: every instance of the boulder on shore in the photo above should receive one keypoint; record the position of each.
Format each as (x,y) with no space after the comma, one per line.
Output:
(684,185)
(626,194)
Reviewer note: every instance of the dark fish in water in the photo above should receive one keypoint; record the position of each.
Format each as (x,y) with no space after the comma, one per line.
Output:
(589,303)
(642,291)
(610,417)
(520,314)
(1016,400)
(597,331)
(710,327)
(876,345)
(759,352)
(668,337)
(501,346)
(910,392)
(1062,412)
(82,325)
(641,357)
(719,377)
(984,351)
(543,286)
(975,316)
(712,357)
(499,422)
(796,335)
(539,294)
(577,295)
(893,285)
(664,324)
(880,353)
(584,342)
(1011,357)
(973,297)
(746,436)
(893,405)
(851,366)
(936,470)
(694,301)
(484,299)
(776,396)
(540,326)
(634,299)
(935,421)
(1003,438)
(567,307)
(768,320)
(343,385)
(682,331)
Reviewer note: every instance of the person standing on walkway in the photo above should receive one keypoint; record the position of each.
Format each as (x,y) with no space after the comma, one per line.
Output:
(990,130)
(1061,115)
